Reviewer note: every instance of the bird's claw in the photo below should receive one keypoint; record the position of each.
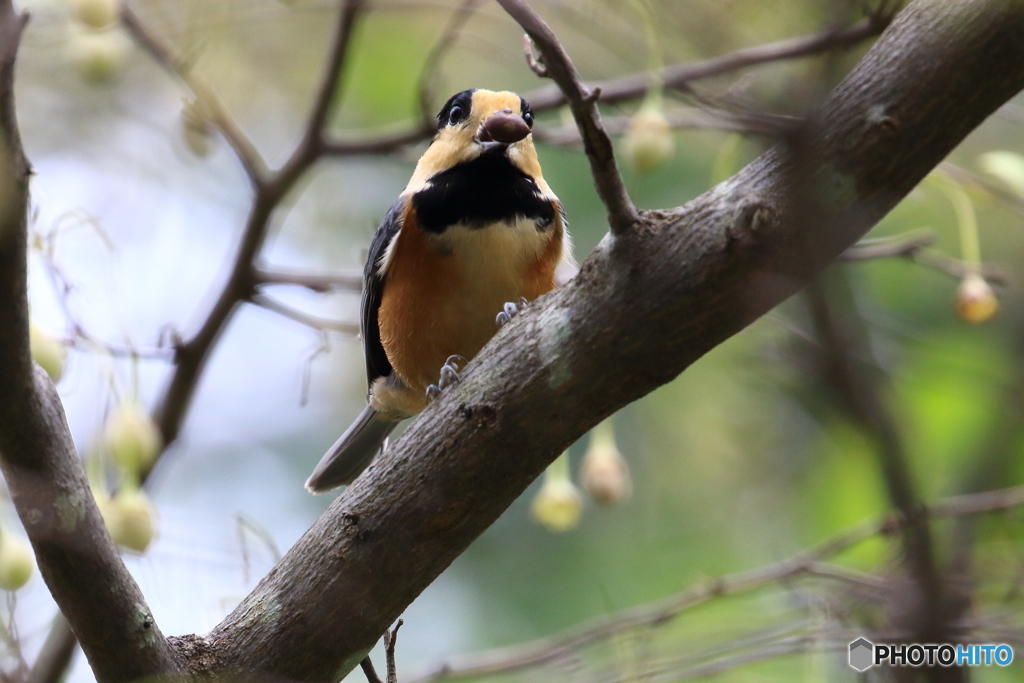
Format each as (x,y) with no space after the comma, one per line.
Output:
(449,377)
(509,311)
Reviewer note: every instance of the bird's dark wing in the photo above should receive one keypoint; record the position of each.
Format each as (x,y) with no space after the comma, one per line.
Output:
(377,364)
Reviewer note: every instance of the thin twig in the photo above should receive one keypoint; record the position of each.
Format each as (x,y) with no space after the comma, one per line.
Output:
(390,641)
(805,563)
(679,76)
(192,355)
(80,336)
(914,247)
(535,62)
(312,321)
(428,77)
(209,103)
(381,144)
(903,246)
(56,655)
(965,177)
(635,85)
(371,674)
(348,281)
(763,124)
(621,212)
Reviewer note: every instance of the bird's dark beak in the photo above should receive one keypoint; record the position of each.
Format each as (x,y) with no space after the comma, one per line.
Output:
(503,128)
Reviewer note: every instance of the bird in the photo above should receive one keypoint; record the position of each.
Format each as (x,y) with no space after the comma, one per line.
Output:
(476,234)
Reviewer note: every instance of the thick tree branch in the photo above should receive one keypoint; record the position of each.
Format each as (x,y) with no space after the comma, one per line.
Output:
(45,478)
(645,305)
(583,102)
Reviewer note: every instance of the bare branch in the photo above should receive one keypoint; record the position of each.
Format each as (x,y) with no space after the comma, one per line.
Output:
(635,85)
(241,285)
(962,175)
(330,82)
(349,281)
(583,102)
(679,76)
(914,247)
(766,125)
(807,563)
(210,103)
(53,660)
(902,246)
(315,322)
(428,77)
(390,641)
(378,145)
(371,674)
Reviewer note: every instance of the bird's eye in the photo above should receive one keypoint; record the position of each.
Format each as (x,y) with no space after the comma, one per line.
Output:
(528,117)
(456,114)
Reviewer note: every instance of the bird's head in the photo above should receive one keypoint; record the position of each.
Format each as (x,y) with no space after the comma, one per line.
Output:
(477,122)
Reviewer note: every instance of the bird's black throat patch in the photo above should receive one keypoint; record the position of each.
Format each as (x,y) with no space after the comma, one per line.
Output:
(486,190)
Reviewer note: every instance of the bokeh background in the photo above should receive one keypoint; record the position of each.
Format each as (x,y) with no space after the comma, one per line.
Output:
(740,462)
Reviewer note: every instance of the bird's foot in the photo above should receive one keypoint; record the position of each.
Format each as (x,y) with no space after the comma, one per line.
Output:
(449,377)
(510,311)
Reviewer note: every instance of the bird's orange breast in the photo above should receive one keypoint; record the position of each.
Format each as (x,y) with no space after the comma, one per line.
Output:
(443,292)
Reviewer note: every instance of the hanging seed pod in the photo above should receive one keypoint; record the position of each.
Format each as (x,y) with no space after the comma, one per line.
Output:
(604,473)
(17,564)
(48,352)
(132,438)
(129,519)
(975,300)
(558,505)
(649,142)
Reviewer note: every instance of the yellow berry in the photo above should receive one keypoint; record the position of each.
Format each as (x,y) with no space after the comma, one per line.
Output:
(95,13)
(48,352)
(16,561)
(649,142)
(975,300)
(132,438)
(98,55)
(558,505)
(129,519)
(604,472)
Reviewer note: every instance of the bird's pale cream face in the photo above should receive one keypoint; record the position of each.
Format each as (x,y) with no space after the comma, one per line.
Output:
(462,141)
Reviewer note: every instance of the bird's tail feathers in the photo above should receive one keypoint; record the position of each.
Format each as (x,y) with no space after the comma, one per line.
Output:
(352,453)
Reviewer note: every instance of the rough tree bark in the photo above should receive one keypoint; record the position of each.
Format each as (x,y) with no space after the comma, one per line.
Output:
(646,304)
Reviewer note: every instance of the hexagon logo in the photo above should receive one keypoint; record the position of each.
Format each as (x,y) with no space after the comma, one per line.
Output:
(862,653)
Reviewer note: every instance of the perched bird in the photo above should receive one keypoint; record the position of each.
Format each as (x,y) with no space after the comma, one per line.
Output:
(475,229)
